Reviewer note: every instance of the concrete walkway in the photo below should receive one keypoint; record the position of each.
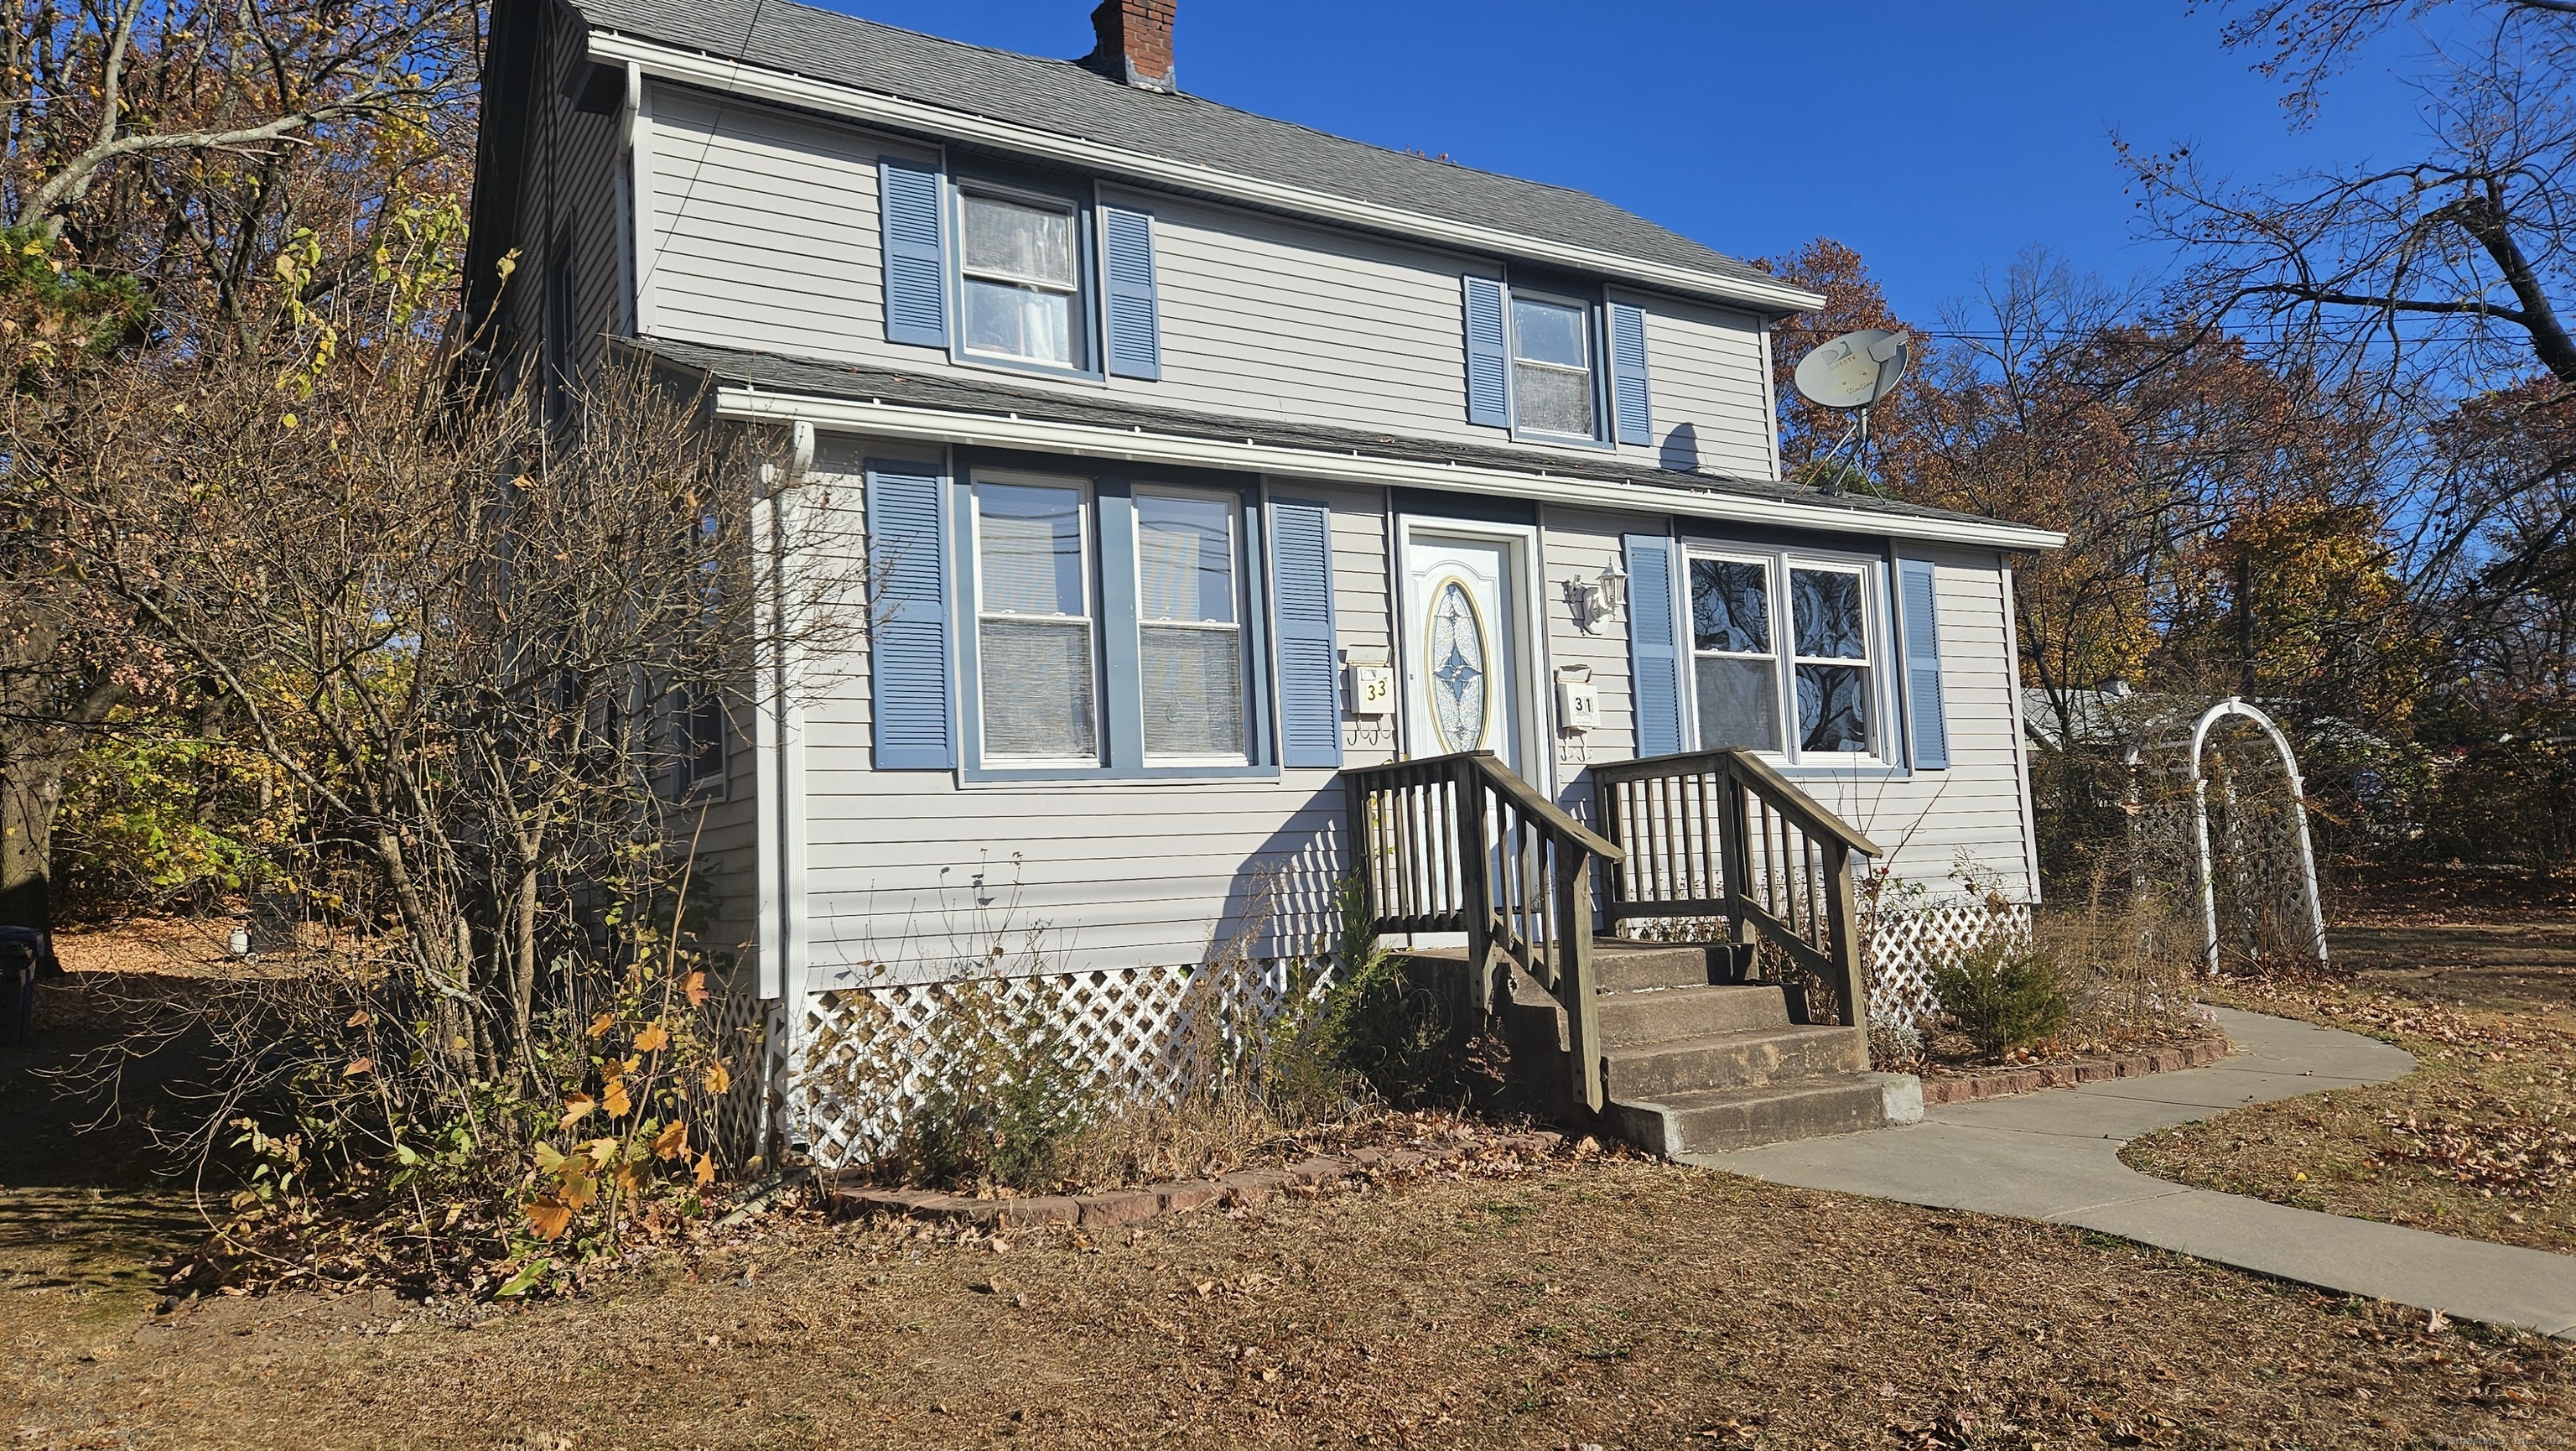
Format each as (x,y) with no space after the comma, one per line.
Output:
(2055,1156)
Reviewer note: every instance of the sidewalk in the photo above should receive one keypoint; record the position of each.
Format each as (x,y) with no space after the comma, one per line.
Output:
(2055,1156)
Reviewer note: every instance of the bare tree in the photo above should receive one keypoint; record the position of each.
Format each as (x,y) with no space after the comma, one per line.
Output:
(2461,255)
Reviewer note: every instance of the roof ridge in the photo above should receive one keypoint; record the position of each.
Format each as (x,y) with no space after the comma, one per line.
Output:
(1075,101)
(1075,64)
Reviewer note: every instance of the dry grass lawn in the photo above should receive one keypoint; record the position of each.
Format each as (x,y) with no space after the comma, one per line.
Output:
(1610,1302)
(1619,1303)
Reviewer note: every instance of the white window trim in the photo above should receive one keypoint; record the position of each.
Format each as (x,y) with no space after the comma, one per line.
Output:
(1514,362)
(1877,640)
(1089,619)
(1076,335)
(1237,568)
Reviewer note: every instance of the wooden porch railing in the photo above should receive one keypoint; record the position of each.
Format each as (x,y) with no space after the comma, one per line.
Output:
(1718,833)
(1461,844)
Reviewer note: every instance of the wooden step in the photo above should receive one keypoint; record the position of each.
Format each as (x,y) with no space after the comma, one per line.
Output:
(1713,1121)
(1662,1015)
(1744,1059)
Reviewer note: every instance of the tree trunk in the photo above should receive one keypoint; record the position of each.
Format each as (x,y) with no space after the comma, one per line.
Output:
(31,791)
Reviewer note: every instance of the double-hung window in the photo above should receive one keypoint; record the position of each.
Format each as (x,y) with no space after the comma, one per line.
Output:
(1189,619)
(1553,384)
(1022,283)
(1117,627)
(1033,623)
(1786,653)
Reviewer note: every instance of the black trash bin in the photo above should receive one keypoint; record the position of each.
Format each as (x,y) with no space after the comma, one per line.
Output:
(25,954)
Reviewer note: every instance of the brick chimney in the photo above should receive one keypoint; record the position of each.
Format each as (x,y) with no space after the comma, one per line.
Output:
(1135,43)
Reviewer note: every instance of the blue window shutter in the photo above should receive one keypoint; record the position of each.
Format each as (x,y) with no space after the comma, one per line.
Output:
(908,658)
(1629,401)
(1127,257)
(1301,593)
(1654,649)
(912,220)
(1489,374)
(1923,707)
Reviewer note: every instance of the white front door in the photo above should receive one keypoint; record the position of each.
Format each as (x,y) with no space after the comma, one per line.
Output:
(1464,677)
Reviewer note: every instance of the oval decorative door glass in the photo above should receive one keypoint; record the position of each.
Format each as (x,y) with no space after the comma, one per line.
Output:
(1458,668)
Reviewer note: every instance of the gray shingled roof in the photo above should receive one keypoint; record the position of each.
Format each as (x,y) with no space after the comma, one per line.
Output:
(814,379)
(1068,99)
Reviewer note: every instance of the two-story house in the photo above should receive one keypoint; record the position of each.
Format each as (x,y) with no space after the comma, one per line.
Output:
(1206,459)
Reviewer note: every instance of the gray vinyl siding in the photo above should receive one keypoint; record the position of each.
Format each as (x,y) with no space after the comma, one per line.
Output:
(569,189)
(760,232)
(1363,608)
(912,875)
(1578,544)
(1709,375)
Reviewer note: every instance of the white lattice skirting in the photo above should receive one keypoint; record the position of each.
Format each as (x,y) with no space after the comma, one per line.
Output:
(1904,945)
(863,1058)
(859,1060)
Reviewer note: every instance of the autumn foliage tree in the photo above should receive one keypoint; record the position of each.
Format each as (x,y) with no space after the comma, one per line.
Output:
(182,183)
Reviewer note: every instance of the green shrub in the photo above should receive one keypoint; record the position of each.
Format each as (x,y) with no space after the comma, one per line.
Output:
(1008,1106)
(2004,993)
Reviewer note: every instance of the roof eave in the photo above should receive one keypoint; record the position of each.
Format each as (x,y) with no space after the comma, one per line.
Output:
(915,423)
(721,73)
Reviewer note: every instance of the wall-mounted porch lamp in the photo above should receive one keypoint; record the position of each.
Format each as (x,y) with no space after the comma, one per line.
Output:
(1599,598)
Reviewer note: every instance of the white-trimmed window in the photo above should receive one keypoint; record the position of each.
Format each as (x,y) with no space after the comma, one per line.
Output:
(1554,390)
(1787,651)
(1022,288)
(1034,621)
(1189,622)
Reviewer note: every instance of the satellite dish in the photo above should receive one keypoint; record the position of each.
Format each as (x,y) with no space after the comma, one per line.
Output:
(1855,370)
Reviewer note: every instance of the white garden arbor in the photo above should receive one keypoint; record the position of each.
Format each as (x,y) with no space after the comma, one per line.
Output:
(2241,851)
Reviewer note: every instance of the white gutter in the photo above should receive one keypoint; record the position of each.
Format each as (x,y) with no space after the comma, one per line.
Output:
(721,74)
(905,421)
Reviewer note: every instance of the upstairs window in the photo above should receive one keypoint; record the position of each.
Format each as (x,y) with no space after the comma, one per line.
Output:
(1022,285)
(1785,654)
(1556,367)
(1017,274)
(1552,367)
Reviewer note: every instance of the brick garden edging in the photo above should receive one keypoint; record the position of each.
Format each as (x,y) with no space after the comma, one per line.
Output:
(1247,1187)
(2199,1053)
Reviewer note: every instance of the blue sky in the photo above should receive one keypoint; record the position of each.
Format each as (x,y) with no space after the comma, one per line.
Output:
(1939,137)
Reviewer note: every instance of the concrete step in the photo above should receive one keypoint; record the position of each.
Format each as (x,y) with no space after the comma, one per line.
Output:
(1714,1121)
(1632,1018)
(1620,965)
(1744,1059)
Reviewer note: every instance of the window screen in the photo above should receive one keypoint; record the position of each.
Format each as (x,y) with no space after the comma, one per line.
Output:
(1831,626)
(1021,279)
(1737,672)
(1034,625)
(1552,367)
(1190,631)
